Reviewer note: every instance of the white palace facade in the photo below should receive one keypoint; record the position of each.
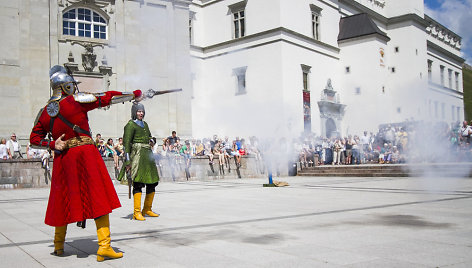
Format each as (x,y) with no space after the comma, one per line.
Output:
(252,67)
(323,66)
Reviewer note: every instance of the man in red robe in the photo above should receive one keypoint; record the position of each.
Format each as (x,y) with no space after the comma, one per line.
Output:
(81,187)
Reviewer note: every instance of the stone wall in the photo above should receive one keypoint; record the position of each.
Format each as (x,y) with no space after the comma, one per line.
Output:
(28,173)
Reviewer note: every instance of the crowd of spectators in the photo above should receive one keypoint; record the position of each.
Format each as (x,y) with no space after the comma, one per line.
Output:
(393,143)
(397,143)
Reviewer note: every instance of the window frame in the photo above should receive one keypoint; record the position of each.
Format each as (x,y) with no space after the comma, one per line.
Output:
(456,74)
(315,22)
(449,77)
(77,22)
(241,81)
(441,74)
(239,9)
(306,70)
(430,70)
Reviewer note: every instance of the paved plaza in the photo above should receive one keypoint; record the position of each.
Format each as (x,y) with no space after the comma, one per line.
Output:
(314,222)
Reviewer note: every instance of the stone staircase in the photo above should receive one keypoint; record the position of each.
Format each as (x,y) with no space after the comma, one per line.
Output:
(390,170)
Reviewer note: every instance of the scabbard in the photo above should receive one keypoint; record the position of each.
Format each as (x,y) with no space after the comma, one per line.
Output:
(130,183)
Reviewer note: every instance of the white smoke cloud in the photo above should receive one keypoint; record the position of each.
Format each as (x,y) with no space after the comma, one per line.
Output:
(456,15)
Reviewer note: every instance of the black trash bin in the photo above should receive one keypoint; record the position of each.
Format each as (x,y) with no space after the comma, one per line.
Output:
(292,168)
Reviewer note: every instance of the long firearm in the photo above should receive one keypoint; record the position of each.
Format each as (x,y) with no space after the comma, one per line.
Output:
(151,92)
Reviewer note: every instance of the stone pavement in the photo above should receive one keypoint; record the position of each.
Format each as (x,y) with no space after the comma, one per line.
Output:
(315,222)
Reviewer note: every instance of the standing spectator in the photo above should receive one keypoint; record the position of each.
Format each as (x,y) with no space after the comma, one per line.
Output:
(465,132)
(349,143)
(337,146)
(364,146)
(173,138)
(3,149)
(14,148)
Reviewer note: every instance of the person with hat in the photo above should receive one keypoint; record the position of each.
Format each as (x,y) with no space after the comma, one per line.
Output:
(81,187)
(139,162)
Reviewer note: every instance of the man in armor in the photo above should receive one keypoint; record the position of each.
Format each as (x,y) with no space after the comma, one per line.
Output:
(139,161)
(81,187)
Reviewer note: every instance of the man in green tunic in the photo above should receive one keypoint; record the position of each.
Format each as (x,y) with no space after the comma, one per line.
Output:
(139,159)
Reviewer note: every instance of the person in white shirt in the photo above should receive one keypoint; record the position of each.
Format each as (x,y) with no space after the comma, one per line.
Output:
(14,148)
(465,132)
(364,146)
(3,149)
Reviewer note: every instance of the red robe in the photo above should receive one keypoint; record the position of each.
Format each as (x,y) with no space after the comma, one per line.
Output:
(81,187)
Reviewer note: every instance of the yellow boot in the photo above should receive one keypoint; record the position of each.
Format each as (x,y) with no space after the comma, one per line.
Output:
(137,208)
(148,205)
(103,234)
(59,239)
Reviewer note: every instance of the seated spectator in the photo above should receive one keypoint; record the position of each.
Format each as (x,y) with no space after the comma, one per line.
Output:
(101,148)
(110,151)
(119,147)
(200,150)
(236,154)
(3,149)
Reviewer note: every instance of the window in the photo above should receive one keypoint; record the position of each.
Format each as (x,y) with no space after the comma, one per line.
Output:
(190,26)
(315,21)
(240,74)
(435,109)
(441,68)
(449,77)
(348,69)
(305,71)
(84,22)
(457,80)
(358,91)
(430,65)
(239,19)
(397,49)
(458,113)
(393,69)
(399,110)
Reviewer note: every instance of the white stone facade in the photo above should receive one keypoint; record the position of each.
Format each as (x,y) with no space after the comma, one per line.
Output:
(146,46)
(379,78)
(249,85)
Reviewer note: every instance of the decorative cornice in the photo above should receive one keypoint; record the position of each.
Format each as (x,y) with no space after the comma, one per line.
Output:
(446,53)
(266,34)
(271,32)
(442,33)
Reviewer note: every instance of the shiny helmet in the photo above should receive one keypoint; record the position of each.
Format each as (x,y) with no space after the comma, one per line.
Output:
(137,106)
(61,82)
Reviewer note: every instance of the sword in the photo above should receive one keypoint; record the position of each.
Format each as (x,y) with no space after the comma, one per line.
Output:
(151,92)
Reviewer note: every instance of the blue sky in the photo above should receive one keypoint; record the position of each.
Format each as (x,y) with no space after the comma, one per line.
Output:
(457,16)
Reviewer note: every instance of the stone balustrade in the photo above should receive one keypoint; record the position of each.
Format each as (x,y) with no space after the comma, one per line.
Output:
(28,173)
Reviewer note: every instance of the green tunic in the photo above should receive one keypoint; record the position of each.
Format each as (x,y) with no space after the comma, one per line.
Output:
(136,144)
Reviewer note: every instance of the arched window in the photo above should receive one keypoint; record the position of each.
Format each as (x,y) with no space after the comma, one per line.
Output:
(84,22)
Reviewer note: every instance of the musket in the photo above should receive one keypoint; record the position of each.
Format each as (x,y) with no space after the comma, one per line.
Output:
(151,92)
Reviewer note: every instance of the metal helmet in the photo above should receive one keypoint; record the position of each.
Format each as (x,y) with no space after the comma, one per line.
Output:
(137,106)
(61,82)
